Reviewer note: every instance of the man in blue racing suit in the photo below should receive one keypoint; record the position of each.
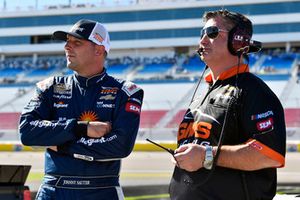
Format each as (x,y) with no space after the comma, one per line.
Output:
(88,121)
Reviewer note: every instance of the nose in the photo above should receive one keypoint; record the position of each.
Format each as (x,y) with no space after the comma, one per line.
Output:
(67,46)
(203,36)
(203,40)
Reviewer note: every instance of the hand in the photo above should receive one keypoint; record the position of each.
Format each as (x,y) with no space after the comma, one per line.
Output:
(189,157)
(98,129)
(53,148)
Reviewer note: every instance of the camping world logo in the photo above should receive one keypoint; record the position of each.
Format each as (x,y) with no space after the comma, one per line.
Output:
(98,37)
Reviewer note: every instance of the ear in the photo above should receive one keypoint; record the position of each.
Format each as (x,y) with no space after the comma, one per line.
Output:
(99,50)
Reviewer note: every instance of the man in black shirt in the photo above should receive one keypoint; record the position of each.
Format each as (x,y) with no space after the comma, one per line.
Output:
(232,138)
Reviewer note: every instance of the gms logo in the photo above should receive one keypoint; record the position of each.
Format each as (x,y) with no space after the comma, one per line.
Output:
(60,105)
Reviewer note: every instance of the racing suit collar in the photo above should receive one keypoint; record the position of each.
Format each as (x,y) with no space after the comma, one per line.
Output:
(229,73)
(86,82)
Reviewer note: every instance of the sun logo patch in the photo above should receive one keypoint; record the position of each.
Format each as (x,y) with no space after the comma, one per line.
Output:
(88,116)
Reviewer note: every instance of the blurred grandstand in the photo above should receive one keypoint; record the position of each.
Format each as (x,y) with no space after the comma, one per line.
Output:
(153,44)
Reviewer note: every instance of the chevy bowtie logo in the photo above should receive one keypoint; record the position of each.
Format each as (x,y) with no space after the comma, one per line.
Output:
(77,29)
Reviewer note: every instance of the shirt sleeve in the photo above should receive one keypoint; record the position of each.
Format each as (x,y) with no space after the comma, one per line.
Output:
(263,121)
(120,141)
(36,127)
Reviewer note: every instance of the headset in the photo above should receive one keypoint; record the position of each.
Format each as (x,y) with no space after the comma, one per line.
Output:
(239,37)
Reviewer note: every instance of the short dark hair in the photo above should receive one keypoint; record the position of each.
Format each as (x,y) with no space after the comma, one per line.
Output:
(230,19)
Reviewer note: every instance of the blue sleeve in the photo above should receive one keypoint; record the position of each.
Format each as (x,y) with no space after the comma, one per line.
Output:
(36,127)
(120,141)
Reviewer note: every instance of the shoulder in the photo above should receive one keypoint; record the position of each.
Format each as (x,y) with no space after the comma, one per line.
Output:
(53,81)
(252,82)
(128,87)
(45,84)
(255,87)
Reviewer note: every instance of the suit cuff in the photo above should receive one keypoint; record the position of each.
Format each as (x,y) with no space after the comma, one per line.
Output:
(81,128)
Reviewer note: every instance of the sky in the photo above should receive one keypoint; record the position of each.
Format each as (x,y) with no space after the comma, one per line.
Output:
(13,5)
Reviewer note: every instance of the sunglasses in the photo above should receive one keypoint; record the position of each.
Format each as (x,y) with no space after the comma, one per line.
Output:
(212,32)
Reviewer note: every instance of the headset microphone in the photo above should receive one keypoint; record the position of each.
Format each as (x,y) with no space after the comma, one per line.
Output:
(200,51)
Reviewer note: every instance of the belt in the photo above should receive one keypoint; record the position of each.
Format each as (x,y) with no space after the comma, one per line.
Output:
(81,182)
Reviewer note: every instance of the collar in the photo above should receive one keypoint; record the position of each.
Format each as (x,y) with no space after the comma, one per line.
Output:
(86,82)
(229,73)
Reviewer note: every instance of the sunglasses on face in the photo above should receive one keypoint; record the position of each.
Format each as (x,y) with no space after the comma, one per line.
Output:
(212,32)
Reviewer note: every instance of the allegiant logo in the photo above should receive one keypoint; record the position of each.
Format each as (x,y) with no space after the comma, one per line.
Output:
(60,105)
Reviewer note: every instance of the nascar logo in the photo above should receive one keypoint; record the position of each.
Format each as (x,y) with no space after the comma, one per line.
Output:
(262,115)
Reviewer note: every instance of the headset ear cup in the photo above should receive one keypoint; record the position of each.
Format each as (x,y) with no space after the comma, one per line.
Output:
(238,41)
(230,41)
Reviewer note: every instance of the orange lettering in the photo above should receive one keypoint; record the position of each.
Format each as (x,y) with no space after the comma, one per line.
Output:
(185,130)
(202,129)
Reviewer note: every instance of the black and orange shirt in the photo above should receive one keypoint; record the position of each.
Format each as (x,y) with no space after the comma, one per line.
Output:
(254,115)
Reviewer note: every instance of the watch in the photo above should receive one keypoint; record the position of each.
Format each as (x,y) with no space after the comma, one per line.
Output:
(209,157)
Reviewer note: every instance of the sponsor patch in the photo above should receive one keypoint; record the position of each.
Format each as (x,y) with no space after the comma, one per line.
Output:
(62,89)
(109,90)
(88,116)
(136,100)
(91,141)
(265,124)
(34,103)
(62,96)
(107,97)
(42,123)
(105,105)
(98,37)
(262,115)
(227,93)
(130,88)
(132,107)
(60,105)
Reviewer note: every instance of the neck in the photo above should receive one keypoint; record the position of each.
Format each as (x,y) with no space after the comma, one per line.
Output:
(218,68)
(91,73)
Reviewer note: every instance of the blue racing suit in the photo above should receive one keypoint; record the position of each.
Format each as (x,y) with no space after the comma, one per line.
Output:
(52,118)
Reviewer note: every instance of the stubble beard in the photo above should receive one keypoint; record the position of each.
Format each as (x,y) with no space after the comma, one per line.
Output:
(71,66)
